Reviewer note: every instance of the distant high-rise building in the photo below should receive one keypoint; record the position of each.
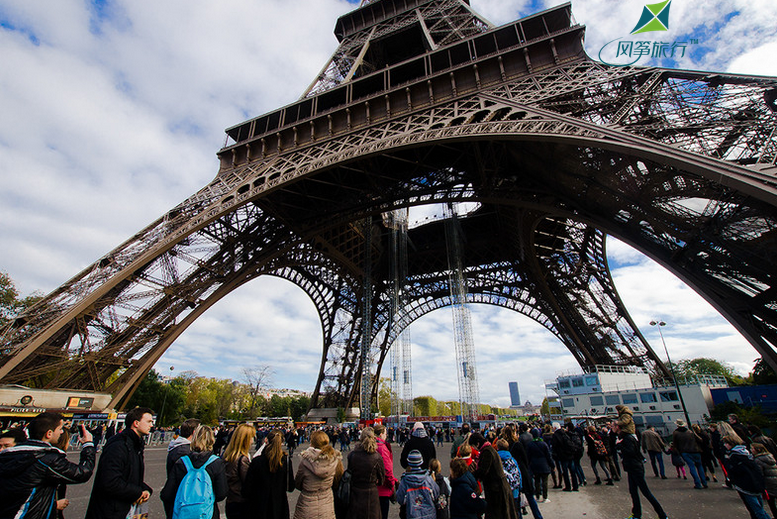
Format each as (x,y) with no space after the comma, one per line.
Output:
(515,396)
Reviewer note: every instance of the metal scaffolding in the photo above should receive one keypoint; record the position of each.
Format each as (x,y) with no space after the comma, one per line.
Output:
(366,332)
(401,362)
(469,391)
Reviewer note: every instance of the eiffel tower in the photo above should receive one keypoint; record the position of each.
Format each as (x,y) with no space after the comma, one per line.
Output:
(426,102)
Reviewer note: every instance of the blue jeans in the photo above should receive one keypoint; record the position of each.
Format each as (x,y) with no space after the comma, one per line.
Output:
(579,470)
(569,471)
(535,509)
(754,505)
(693,459)
(656,456)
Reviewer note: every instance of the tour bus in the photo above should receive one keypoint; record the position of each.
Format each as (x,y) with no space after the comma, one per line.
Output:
(262,421)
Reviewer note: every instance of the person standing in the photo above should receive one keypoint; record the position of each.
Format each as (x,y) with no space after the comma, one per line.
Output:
(511,470)
(757,436)
(418,491)
(270,476)
(768,466)
(654,445)
(597,453)
(201,453)
(687,444)
(291,440)
(739,428)
(564,450)
(705,444)
(443,500)
(31,471)
(181,446)
(746,476)
(499,496)
(633,465)
(320,467)
(465,430)
(465,502)
(367,473)
(540,463)
(388,488)
(419,441)
(237,461)
(118,483)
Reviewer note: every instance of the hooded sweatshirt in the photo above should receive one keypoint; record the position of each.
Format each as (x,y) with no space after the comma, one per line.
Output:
(177,449)
(421,442)
(744,472)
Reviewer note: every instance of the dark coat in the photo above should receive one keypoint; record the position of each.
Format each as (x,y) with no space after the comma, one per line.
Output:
(685,441)
(499,496)
(422,444)
(215,470)
(743,472)
(266,491)
(465,503)
(769,470)
(119,479)
(590,439)
(367,473)
(520,455)
(445,497)
(563,445)
(32,471)
(633,460)
(236,474)
(540,461)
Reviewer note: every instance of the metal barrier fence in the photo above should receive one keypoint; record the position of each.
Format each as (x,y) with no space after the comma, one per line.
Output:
(152,440)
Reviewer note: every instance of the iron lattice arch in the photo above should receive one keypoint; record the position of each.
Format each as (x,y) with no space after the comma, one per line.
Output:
(556,151)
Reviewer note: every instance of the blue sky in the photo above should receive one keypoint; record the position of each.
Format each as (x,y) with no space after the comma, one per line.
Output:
(113,111)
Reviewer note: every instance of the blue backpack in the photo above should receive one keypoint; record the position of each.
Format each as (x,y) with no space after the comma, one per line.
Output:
(195,499)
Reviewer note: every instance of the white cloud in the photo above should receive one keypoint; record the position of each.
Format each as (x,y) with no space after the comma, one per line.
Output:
(110,120)
(760,59)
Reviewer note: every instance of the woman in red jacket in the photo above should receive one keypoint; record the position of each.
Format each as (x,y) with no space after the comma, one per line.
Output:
(389,485)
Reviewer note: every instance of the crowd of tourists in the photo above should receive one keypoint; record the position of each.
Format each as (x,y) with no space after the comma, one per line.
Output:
(495,473)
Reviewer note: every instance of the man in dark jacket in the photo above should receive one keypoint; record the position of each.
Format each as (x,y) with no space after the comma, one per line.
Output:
(654,445)
(118,483)
(739,428)
(686,443)
(634,465)
(421,442)
(31,471)
(564,450)
(461,439)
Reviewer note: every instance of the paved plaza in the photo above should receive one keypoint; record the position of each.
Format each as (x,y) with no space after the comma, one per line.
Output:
(592,502)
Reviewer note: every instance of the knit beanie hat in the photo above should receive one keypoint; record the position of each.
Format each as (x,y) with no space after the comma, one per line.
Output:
(414,459)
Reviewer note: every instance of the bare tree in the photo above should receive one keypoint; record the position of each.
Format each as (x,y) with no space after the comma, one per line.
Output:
(257,378)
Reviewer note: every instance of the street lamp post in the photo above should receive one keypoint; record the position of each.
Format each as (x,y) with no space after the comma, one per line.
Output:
(671,367)
(164,400)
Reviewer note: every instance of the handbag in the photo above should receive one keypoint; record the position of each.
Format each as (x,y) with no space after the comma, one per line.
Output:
(343,492)
(138,511)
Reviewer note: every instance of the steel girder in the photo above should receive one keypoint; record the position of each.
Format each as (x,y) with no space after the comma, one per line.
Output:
(557,150)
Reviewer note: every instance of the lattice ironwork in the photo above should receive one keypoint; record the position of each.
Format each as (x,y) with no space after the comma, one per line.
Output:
(558,151)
